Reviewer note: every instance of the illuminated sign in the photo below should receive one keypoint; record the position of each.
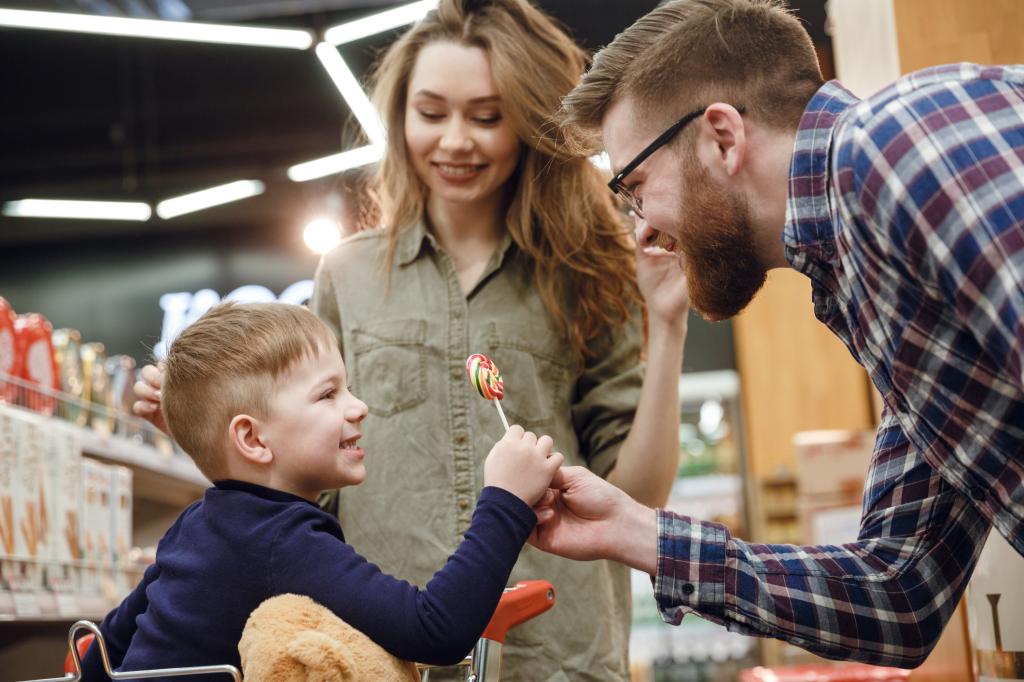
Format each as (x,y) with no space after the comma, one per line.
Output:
(182,309)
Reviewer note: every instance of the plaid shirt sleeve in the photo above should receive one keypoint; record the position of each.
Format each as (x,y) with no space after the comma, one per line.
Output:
(883,599)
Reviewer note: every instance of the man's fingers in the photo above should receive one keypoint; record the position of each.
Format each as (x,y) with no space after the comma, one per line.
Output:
(544,514)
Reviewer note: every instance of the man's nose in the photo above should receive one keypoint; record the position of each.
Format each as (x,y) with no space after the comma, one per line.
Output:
(644,233)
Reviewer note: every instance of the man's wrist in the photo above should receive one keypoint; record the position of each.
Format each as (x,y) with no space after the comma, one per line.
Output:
(634,540)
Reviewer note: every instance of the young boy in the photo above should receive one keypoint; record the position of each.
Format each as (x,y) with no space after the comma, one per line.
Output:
(257,395)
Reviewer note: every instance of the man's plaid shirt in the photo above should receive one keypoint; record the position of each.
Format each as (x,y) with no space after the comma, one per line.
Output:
(906,211)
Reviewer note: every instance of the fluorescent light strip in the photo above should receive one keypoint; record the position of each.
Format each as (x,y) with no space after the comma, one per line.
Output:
(85,210)
(207,198)
(352,92)
(336,163)
(378,23)
(153,28)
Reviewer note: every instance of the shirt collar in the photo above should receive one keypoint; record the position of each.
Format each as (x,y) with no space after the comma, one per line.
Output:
(808,234)
(413,239)
(272,494)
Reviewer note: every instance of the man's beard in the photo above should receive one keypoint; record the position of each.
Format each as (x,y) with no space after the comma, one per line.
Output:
(717,242)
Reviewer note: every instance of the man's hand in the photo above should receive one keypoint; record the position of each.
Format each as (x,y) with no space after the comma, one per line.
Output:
(583,517)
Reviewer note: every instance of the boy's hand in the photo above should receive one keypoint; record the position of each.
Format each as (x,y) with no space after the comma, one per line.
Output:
(147,392)
(522,464)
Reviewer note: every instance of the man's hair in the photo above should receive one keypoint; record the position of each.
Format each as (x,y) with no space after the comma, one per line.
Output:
(227,363)
(690,53)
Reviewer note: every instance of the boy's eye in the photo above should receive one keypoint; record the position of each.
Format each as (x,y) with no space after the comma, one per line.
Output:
(328,394)
(431,115)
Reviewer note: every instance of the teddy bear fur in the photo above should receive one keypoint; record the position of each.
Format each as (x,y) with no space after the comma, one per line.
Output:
(291,638)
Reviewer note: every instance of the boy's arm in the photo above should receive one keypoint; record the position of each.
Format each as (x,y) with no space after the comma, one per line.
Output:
(438,624)
(117,630)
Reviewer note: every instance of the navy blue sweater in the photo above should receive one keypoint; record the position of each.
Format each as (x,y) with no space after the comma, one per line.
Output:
(243,543)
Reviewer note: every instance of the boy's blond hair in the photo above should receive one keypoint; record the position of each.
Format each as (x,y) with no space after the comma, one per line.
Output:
(690,53)
(227,363)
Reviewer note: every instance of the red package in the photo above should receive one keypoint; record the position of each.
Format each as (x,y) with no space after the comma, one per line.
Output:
(9,357)
(38,365)
(827,672)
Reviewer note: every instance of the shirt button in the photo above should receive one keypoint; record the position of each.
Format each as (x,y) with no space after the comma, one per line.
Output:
(829,249)
(688,589)
(463,504)
(977,494)
(456,374)
(460,438)
(457,313)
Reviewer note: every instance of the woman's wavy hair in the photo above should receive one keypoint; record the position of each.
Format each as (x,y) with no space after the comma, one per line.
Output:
(560,212)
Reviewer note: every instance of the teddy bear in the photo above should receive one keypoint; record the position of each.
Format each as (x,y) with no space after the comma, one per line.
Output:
(291,638)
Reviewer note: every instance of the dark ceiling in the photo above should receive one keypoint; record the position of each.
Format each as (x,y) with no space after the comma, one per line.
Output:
(97,117)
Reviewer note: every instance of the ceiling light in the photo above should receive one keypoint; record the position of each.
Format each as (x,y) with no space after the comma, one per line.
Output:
(351,91)
(321,235)
(378,23)
(335,163)
(206,198)
(86,210)
(154,28)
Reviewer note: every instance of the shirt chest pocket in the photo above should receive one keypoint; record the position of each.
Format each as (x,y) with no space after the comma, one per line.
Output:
(536,380)
(390,365)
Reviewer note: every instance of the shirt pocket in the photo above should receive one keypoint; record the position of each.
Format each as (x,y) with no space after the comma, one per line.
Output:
(535,379)
(390,365)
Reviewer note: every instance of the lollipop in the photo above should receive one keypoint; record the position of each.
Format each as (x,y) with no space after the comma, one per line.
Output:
(486,379)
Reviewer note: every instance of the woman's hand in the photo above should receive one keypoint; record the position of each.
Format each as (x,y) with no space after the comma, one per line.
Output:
(147,392)
(662,283)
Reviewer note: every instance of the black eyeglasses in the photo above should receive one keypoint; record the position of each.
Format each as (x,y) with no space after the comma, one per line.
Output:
(616,185)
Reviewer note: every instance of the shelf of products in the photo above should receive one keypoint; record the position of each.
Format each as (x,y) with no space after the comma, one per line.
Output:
(79,484)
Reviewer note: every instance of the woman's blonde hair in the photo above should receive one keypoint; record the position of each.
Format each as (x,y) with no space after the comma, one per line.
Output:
(560,212)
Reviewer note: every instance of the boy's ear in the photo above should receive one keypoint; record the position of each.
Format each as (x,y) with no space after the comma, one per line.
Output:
(244,432)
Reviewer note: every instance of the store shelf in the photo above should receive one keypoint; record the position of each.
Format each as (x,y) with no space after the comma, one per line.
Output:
(166,475)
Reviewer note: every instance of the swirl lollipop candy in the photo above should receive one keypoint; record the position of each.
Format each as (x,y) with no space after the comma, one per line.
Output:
(486,379)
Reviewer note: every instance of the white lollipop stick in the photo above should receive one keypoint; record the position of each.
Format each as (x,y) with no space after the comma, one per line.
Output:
(501,413)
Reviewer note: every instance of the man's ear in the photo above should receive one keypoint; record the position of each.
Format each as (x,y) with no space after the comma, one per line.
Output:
(724,134)
(244,432)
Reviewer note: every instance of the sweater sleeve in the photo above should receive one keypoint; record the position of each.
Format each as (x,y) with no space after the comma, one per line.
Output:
(117,629)
(437,624)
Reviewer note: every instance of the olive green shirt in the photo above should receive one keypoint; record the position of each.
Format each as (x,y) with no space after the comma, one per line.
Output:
(428,431)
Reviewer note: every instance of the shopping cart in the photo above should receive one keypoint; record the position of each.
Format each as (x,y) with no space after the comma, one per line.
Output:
(518,604)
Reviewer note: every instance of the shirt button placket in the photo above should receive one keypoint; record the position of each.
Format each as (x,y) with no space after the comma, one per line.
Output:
(458,400)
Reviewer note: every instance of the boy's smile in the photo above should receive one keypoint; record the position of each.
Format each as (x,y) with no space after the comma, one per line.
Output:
(313,427)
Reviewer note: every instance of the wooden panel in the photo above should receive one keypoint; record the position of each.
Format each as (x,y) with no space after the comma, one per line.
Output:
(795,375)
(930,32)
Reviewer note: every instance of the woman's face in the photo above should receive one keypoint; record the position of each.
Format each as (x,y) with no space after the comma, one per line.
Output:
(461,146)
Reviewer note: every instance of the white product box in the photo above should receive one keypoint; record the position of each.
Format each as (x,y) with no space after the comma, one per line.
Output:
(31,512)
(96,524)
(121,523)
(64,464)
(8,491)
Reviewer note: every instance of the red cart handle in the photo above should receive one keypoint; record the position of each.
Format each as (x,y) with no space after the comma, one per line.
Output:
(519,604)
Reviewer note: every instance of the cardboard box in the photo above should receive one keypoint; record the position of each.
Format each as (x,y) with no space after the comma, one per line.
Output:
(31,511)
(121,524)
(64,465)
(96,524)
(832,462)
